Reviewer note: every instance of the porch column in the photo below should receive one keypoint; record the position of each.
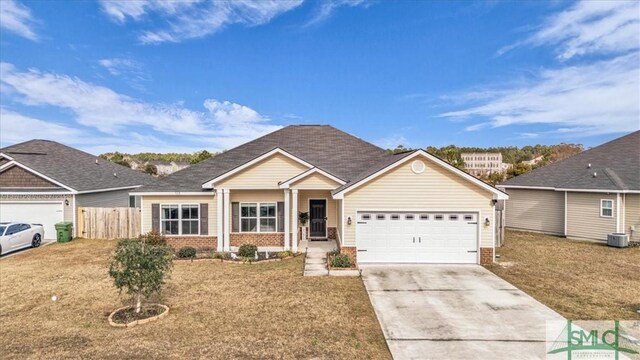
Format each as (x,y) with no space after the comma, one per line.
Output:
(294,221)
(219,220)
(287,223)
(227,223)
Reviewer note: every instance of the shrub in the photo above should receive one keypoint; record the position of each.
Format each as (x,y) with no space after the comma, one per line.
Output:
(187,252)
(153,238)
(220,255)
(247,250)
(284,254)
(140,268)
(340,260)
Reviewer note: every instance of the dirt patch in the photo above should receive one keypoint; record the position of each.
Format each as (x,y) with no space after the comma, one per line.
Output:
(129,314)
(578,279)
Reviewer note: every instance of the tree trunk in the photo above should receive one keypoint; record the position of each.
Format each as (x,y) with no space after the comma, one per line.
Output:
(138,302)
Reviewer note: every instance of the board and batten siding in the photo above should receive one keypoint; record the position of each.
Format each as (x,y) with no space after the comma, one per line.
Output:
(535,210)
(583,216)
(209,199)
(263,175)
(119,198)
(303,204)
(315,181)
(632,216)
(435,189)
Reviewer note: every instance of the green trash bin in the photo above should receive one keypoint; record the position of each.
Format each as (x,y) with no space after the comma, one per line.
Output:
(63,231)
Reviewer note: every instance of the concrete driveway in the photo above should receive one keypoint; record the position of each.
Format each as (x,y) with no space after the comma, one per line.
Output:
(455,312)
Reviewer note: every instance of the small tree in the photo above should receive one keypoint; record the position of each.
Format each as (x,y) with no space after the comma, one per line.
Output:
(151,169)
(140,268)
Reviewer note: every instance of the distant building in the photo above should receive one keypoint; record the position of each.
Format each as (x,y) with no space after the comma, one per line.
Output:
(533,161)
(168,167)
(483,163)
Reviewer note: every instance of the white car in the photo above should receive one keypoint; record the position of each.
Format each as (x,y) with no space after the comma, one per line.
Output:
(16,236)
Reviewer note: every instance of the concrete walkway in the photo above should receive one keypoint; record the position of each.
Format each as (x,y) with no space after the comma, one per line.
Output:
(455,312)
(315,263)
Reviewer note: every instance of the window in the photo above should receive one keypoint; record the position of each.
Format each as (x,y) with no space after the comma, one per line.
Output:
(256,217)
(13,229)
(132,201)
(395,217)
(24,227)
(380,217)
(453,217)
(438,217)
(606,208)
(408,217)
(424,217)
(468,217)
(180,219)
(366,217)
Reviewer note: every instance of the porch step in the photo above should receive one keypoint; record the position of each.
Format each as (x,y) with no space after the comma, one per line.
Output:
(316,272)
(316,260)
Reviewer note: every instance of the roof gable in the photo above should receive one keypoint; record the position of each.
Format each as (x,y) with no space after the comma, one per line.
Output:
(313,179)
(14,176)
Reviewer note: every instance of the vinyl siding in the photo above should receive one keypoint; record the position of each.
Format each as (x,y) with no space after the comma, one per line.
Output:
(583,216)
(118,198)
(264,175)
(181,199)
(434,189)
(303,204)
(535,210)
(315,181)
(632,216)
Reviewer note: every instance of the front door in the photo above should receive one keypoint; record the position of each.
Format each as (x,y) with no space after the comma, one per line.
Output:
(318,218)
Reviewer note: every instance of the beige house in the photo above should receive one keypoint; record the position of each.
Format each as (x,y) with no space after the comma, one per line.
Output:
(483,163)
(378,207)
(587,196)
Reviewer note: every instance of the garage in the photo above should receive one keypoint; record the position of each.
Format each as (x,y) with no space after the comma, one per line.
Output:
(45,213)
(417,237)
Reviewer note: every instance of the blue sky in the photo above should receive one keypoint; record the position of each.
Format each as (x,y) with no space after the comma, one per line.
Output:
(182,76)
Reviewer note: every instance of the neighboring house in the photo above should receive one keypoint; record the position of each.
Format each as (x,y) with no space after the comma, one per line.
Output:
(45,182)
(167,167)
(533,161)
(410,207)
(586,196)
(483,163)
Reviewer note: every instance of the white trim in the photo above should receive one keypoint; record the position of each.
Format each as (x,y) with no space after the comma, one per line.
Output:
(35,193)
(493,233)
(226,218)
(601,208)
(624,213)
(287,183)
(342,223)
(75,214)
(498,194)
(294,220)
(526,187)
(287,220)
(179,219)
(210,184)
(6,156)
(42,176)
(7,165)
(257,217)
(326,221)
(600,191)
(142,215)
(566,225)
(108,189)
(171,193)
(219,220)
(617,213)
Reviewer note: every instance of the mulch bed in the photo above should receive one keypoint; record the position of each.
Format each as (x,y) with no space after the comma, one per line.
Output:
(128,315)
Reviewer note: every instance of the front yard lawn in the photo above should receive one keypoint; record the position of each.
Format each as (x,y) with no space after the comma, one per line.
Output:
(217,310)
(578,279)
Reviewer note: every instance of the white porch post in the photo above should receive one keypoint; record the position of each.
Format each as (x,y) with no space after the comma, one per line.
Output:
(219,219)
(294,221)
(287,223)
(227,223)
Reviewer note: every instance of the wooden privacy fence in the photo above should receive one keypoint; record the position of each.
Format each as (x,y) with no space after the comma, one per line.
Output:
(108,223)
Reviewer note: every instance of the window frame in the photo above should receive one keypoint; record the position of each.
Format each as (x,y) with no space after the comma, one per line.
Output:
(180,219)
(258,217)
(602,208)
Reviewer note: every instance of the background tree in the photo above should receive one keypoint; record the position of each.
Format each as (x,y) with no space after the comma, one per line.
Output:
(518,169)
(201,156)
(140,268)
(151,169)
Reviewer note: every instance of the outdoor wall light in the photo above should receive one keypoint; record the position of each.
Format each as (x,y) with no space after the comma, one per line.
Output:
(66,202)
(487,221)
(349,220)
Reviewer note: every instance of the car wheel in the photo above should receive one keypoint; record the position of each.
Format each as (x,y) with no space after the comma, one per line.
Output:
(37,240)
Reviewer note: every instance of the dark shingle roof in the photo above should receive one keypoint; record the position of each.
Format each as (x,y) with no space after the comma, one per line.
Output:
(616,165)
(323,146)
(74,168)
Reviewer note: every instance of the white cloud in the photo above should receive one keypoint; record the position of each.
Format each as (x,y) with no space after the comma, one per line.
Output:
(590,97)
(129,70)
(15,128)
(17,18)
(327,8)
(223,125)
(392,141)
(195,19)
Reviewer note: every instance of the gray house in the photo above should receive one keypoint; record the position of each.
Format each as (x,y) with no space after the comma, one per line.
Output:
(45,182)
(586,196)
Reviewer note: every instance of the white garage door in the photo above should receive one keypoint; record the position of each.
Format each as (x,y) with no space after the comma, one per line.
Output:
(45,213)
(417,237)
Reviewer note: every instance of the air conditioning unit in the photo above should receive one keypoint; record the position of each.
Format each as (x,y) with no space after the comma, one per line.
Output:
(619,240)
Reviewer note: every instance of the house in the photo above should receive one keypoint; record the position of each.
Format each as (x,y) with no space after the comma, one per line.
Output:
(45,182)
(586,196)
(483,163)
(167,167)
(410,207)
